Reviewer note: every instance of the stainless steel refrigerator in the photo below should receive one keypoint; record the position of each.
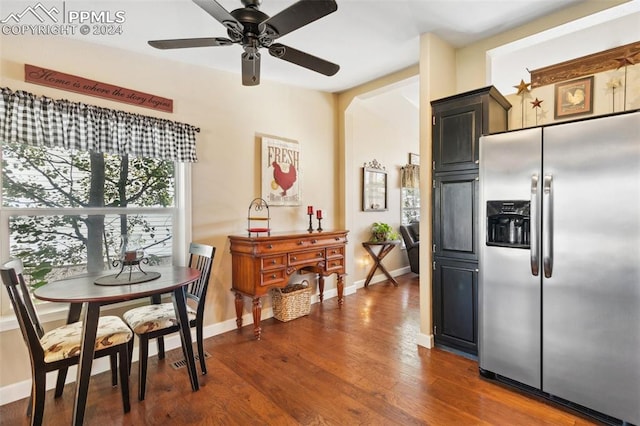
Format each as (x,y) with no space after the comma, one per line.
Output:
(559,274)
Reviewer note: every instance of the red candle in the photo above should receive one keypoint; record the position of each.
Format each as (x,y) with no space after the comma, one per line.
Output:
(309,209)
(319,214)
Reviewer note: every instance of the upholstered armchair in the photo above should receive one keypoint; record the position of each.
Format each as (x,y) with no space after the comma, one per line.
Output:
(411,236)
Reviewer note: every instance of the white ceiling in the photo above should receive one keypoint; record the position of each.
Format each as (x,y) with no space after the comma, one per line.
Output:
(367,38)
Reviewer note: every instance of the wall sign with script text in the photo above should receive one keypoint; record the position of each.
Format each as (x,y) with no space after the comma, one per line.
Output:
(72,83)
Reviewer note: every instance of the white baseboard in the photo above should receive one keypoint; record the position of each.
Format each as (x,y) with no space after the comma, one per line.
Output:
(425,340)
(382,277)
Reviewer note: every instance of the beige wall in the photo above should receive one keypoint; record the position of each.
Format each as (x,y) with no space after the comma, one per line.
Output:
(437,80)
(227,176)
(384,127)
(365,135)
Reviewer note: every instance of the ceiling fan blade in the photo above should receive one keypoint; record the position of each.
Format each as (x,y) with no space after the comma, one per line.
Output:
(219,13)
(303,59)
(297,15)
(250,69)
(182,43)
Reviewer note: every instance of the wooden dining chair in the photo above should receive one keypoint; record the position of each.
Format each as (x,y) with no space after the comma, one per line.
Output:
(159,319)
(58,349)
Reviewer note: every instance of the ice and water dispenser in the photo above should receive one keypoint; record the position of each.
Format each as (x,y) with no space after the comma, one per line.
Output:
(508,224)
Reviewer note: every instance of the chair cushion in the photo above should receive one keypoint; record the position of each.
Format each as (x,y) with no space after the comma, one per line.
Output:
(64,342)
(154,317)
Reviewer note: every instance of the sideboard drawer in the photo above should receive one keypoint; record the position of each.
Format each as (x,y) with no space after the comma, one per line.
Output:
(335,264)
(273,262)
(300,243)
(272,277)
(337,251)
(306,257)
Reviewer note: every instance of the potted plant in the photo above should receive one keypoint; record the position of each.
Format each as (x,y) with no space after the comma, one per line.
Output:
(381,231)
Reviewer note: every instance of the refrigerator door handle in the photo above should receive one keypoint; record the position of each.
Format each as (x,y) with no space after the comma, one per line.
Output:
(533,224)
(547,249)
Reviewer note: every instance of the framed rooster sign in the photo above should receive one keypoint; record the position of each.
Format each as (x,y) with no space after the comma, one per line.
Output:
(574,97)
(280,171)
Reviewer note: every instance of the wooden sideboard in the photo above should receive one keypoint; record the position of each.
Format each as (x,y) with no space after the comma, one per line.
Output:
(260,263)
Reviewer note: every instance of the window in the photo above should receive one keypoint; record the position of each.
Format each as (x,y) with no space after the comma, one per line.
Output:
(65,212)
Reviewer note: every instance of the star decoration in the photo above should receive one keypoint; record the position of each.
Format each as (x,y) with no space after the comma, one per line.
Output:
(614,83)
(536,103)
(522,87)
(624,61)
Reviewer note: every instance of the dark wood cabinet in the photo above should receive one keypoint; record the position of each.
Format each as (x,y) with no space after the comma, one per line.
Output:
(458,123)
(455,301)
(455,199)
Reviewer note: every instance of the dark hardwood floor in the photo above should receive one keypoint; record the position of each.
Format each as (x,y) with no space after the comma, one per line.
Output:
(355,365)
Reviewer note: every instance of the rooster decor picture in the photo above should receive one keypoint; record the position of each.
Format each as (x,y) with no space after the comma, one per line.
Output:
(280,171)
(282,179)
(574,97)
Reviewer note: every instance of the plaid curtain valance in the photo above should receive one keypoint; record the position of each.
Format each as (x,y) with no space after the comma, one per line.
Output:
(42,121)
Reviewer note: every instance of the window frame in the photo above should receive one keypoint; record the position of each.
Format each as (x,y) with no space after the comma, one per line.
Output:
(181,221)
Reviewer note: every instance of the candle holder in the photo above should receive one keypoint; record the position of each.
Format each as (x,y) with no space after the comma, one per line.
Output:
(319,224)
(130,259)
(310,229)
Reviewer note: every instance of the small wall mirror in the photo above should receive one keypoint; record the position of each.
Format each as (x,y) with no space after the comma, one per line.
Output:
(374,187)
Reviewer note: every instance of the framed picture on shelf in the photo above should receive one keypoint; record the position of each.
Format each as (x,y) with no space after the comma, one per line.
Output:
(574,97)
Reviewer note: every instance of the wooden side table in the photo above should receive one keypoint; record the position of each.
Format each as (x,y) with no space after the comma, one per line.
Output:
(385,248)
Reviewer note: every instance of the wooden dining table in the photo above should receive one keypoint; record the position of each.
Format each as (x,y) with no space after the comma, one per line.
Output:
(81,290)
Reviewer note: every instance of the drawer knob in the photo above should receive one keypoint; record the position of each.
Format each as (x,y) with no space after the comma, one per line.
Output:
(319,254)
(273,262)
(294,258)
(337,238)
(300,242)
(314,241)
(269,246)
(273,276)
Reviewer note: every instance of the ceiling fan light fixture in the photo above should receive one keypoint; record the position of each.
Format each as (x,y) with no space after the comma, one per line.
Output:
(253,29)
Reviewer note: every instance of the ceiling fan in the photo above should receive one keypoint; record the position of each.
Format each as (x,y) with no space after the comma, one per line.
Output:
(253,29)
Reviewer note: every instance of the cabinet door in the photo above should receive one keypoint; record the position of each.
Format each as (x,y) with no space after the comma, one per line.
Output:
(455,216)
(455,302)
(456,133)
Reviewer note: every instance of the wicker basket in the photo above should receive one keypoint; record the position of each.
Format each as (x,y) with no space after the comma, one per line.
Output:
(291,302)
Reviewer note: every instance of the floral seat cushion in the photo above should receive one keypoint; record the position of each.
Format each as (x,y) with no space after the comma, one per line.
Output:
(154,317)
(64,342)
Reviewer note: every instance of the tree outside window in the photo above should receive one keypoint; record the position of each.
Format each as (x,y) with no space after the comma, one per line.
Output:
(71,211)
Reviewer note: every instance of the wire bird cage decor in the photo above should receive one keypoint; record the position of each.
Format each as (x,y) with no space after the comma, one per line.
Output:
(258,212)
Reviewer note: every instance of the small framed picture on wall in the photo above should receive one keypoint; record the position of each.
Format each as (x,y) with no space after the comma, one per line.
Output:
(574,97)
(414,158)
